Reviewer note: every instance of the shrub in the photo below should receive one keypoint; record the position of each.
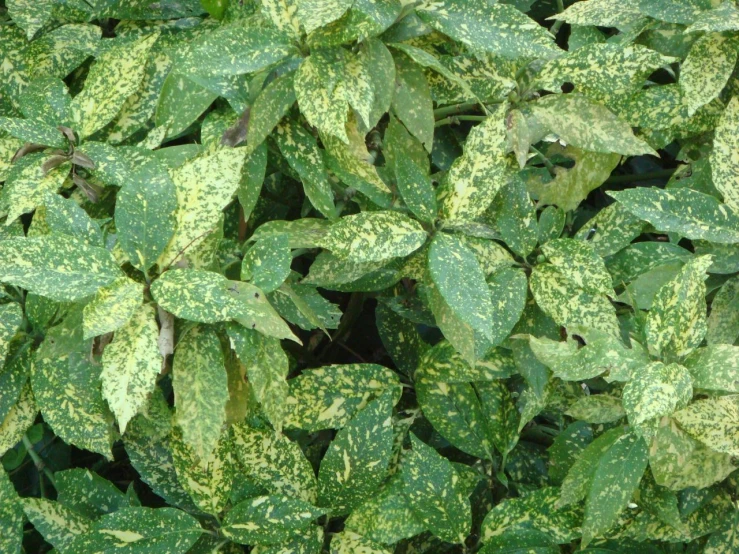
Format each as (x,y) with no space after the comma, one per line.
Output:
(369,277)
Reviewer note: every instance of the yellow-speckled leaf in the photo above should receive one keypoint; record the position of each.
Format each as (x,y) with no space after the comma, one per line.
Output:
(317,13)
(320,89)
(269,108)
(601,13)
(328,397)
(375,236)
(723,322)
(200,388)
(112,307)
(207,480)
(725,155)
(59,267)
(714,422)
(204,186)
(569,305)
(610,230)
(676,324)
(723,18)
(284,15)
(131,364)
(726,539)
(20,417)
(715,368)
(11,317)
(115,76)
(8,147)
(309,541)
(348,542)
(11,516)
(443,364)
(27,185)
(58,524)
(577,261)
(275,462)
(707,69)
(476,177)
(587,125)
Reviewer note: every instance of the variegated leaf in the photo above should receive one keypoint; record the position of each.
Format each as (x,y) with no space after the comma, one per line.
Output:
(28,184)
(18,420)
(11,516)
(577,261)
(724,161)
(714,422)
(112,307)
(706,70)
(348,542)
(58,524)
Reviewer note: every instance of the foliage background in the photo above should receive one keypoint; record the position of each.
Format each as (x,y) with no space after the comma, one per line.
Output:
(303,276)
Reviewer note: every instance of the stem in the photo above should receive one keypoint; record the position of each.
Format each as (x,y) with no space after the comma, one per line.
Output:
(545,160)
(455,109)
(558,23)
(454,119)
(633,177)
(39,463)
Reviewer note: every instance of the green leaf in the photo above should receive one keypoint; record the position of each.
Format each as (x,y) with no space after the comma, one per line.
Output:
(715,368)
(725,540)
(216,8)
(181,102)
(116,75)
(356,461)
(723,18)
(464,290)
(68,393)
(33,130)
(615,479)
(87,493)
(486,27)
(234,49)
(11,516)
(58,524)
(676,324)
(208,480)
(313,14)
(20,417)
(565,449)
(309,541)
(714,422)
(598,408)
(577,261)
(131,364)
(706,70)
(274,462)
(267,367)
(200,389)
(723,321)
(30,16)
(145,214)
(435,494)
(476,177)
(66,216)
(328,397)
(724,165)
(267,262)
(374,236)
(385,517)
(655,391)
(11,317)
(412,100)
(301,151)
(689,213)
(536,510)
(141,530)
(611,229)
(348,542)
(268,519)
(272,104)
(442,363)
(588,125)
(401,339)
(112,307)
(28,184)
(569,305)
(516,217)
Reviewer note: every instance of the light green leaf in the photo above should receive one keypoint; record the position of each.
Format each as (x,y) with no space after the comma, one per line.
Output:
(283,14)
(401,338)
(476,177)
(115,76)
(724,161)
(302,305)
(275,462)
(267,262)
(208,480)
(11,516)
(67,217)
(598,408)
(20,417)
(537,510)
(309,541)
(723,18)
(577,261)
(348,542)
(314,14)
(516,217)
(686,212)
(356,461)
(200,389)
(726,540)
(300,150)
(374,236)
(328,397)
(89,494)
(112,307)
(435,494)
(267,367)
(714,422)
(181,102)
(615,479)
(602,13)
(412,100)
(611,229)
(268,519)
(706,70)
(463,289)
(715,368)
(11,317)
(140,530)
(58,524)
(33,130)
(145,214)
(676,324)
(723,321)
(442,363)
(487,27)
(568,305)
(272,104)
(31,16)
(27,185)
(588,125)
(131,364)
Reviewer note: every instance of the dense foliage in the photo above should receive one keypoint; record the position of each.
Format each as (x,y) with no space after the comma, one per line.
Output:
(369,277)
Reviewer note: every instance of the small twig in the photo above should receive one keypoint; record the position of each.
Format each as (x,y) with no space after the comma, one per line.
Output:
(558,23)
(39,463)
(455,109)
(550,167)
(454,119)
(633,177)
